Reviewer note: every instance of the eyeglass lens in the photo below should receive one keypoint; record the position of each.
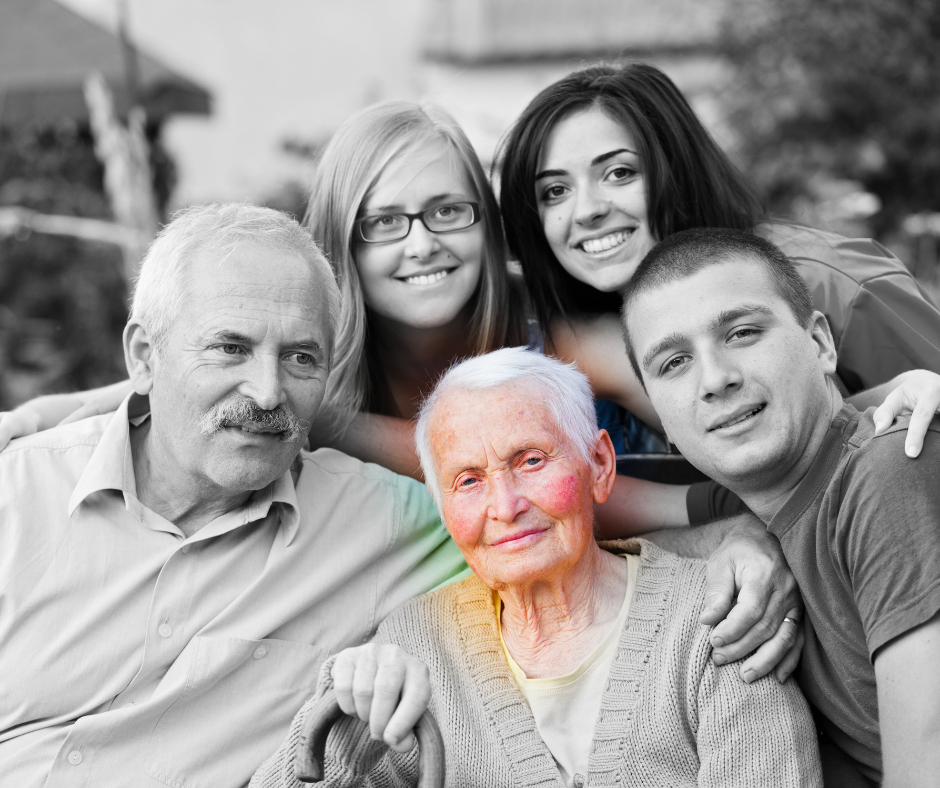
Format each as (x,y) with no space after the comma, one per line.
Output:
(440,219)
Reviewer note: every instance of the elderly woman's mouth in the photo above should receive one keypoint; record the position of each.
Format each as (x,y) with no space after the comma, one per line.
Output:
(516,538)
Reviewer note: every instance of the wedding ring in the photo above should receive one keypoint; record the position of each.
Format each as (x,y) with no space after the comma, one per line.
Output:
(791,620)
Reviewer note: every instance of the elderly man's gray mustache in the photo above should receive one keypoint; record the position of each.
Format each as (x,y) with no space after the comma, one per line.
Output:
(242,411)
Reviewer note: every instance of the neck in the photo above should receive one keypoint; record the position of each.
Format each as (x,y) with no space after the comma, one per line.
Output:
(414,358)
(550,625)
(766,498)
(165,488)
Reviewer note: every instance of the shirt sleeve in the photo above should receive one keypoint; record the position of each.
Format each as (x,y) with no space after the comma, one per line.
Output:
(888,535)
(754,734)
(422,556)
(892,327)
(707,501)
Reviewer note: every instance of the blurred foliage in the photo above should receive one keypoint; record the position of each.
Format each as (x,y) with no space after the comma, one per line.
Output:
(840,89)
(63,301)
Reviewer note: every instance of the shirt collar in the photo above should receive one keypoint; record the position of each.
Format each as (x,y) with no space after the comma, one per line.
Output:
(111,467)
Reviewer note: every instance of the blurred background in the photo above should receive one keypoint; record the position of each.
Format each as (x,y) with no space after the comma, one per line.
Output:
(114,113)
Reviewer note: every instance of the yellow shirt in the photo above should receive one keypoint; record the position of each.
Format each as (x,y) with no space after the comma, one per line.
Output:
(131,655)
(565,707)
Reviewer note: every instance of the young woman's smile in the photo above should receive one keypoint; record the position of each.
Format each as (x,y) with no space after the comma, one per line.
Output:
(425,279)
(592,200)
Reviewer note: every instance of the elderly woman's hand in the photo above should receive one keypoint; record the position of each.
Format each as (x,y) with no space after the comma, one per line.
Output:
(753,600)
(384,685)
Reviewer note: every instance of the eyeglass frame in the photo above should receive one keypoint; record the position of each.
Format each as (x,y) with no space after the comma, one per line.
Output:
(474,207)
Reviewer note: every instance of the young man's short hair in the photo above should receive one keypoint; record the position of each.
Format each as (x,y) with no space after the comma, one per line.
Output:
(686,253)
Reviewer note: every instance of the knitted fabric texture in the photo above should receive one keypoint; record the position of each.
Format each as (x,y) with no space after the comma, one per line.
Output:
(669,716)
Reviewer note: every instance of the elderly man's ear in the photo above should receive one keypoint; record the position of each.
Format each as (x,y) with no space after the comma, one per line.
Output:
(825,345)
(139,356)
(605,466)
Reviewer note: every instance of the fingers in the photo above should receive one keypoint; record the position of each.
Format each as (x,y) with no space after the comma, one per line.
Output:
(385,686)
(888,410)
(780,653)
(719,592)
(753,620)
(920,420)
(16,424)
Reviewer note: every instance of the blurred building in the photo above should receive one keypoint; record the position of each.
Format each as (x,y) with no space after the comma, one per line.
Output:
(284,73)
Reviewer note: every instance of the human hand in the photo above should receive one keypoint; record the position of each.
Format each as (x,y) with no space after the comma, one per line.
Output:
(16,424)
(384,685)
(754,603)
(919,395)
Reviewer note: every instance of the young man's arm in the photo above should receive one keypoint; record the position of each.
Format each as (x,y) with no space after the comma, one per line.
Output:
(909,706)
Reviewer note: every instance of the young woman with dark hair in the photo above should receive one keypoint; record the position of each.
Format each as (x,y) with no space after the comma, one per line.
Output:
(611,159)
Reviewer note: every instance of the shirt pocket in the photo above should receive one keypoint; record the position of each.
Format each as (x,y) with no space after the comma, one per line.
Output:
(234,711)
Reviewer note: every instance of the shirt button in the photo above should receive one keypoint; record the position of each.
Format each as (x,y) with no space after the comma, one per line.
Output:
(165,630)
(75,757)
(187,548)
(260,652)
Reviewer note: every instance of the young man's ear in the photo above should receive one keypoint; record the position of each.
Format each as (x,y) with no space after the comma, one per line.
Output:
(139,356)
(825,344)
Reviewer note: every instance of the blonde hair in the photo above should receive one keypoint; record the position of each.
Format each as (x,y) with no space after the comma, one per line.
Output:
(352,162)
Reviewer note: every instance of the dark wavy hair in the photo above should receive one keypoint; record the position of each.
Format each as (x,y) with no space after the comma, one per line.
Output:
(690,182)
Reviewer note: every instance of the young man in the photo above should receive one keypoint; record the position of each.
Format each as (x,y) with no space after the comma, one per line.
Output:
(722,332)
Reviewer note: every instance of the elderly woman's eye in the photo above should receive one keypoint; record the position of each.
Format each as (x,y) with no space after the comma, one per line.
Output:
(532,461)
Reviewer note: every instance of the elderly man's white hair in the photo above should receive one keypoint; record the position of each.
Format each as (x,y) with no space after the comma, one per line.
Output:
(161,283)
(565,390)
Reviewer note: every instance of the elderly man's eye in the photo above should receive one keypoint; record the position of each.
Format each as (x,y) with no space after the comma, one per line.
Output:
(230,349)
(304,359)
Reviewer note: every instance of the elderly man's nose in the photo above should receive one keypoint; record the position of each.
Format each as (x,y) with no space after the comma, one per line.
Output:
(505,503)
(263,383)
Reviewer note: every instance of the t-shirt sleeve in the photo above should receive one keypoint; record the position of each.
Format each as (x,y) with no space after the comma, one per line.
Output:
(888,535)
(707,501)
(892,327)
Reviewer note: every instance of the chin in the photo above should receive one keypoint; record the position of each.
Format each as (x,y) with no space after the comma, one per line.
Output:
(251,473)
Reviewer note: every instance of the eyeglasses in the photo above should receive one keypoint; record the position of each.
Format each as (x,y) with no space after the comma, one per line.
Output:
(450,218)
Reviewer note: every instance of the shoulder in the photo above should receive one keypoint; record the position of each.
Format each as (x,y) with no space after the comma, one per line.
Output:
(882,457)
(822,253)
(433,616)
(329,466)
(69,443)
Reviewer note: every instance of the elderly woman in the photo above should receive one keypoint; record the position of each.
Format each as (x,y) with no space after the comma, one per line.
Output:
(562,662)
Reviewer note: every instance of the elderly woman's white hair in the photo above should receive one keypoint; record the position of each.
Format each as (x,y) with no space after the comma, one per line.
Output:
(220,227)
(565,390)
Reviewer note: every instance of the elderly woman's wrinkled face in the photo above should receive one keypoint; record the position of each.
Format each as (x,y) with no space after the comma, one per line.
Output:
(518,498)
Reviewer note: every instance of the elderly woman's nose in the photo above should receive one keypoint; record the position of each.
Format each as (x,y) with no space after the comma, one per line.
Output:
(504,502)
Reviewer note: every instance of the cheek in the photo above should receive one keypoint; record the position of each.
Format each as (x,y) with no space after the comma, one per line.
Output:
(562,494)
(463,523)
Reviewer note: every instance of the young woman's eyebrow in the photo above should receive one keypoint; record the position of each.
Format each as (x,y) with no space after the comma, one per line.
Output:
(595,161)
(606,156)
(397,207)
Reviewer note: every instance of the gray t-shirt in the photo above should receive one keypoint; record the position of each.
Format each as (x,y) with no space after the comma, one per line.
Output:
(862,535)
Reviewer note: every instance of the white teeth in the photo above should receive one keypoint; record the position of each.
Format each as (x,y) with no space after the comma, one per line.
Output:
(595,245)
(741,418)
(426,279)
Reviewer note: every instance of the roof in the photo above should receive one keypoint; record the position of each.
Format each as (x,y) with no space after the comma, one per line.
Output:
(47,51)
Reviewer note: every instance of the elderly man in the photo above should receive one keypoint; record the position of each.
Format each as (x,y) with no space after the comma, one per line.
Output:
(164,606)
(722,332)
(168,591)
(562,662)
